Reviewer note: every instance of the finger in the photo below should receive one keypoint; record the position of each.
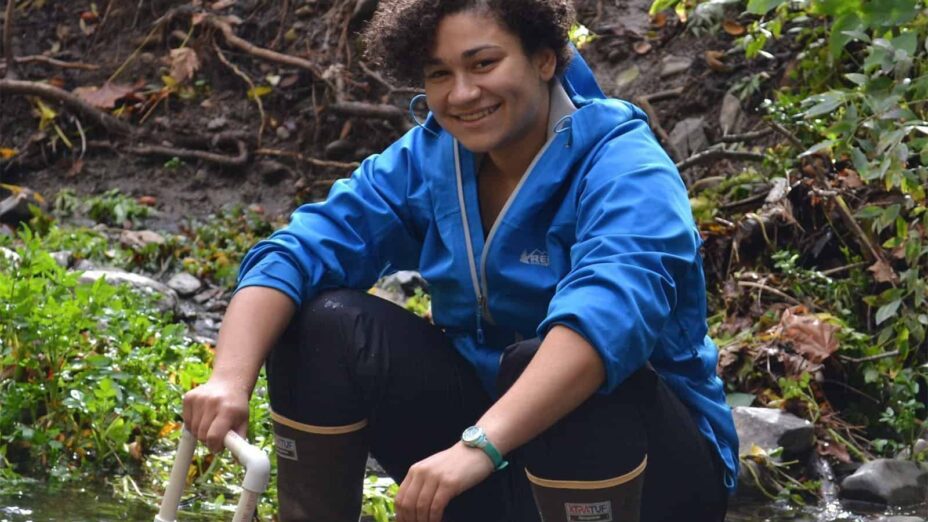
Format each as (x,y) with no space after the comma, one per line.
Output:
(204,424)
(424,500)
(405,498)
(217,434)
(440,500)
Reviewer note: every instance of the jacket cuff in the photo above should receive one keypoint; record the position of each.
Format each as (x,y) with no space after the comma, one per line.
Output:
(275,271)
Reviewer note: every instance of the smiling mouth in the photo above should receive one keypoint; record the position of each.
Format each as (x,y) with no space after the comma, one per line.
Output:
(474,116)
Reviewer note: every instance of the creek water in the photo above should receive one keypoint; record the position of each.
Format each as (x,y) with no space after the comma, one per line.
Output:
(36,504)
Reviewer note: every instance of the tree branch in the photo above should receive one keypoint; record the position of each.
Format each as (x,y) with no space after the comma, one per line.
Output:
(714,154)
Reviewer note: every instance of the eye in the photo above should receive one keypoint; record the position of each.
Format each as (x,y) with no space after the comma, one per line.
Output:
(484,64)
(435,74)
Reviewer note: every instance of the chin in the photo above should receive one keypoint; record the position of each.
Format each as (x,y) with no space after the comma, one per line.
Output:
(476,144)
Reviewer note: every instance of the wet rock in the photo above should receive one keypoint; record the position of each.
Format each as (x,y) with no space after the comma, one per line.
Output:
(85,264)
(374,467)
(688,136)
(338,149)
(672,65)
(395,297)
(186,311)
(207,294)
(168,301)
(271,171)
(207,325)
(770,428)
(15,208)
(10,256)
(887,481)
(283,133)
(217,123)
(900,518)
(184,284)
(139,239)
(731,114)
(626,77)
(405,282)
(63,258)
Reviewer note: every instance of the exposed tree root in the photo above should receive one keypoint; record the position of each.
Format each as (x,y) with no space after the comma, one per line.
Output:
(38,58)
(72,102)
(160,150)
(265,54)
(306,159)
(714,154)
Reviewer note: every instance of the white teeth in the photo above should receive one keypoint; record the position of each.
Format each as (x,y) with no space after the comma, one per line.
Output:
(477,115)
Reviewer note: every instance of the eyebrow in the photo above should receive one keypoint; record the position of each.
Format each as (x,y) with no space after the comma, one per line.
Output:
(466,54)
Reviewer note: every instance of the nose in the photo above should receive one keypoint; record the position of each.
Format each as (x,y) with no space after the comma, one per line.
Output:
(463,90)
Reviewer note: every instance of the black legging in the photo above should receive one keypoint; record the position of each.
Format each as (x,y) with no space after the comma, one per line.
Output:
(349,356)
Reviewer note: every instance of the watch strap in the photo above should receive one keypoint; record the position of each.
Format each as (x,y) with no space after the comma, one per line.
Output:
(491,451)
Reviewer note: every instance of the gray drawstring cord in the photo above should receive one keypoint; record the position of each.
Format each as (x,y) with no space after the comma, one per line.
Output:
(565,124)
(412,115)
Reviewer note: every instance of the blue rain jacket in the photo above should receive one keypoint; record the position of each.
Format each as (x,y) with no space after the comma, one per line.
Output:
(598,236)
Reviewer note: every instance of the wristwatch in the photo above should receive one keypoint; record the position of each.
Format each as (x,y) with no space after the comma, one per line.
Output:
(474,437)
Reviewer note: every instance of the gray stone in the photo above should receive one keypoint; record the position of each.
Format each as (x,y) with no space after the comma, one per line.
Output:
(626,77)
(85,264)
(186,311)
(887,481)
(770,428)
(139,239)
(63,258)
(168,301)
(11,256)
(405,282)
(731,114)
(672,65)
(900,518)
(688,136)
(283,133)
(184,284)
(217,123)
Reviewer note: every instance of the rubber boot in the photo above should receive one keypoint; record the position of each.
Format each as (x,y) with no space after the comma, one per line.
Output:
(320,470)
(612,500)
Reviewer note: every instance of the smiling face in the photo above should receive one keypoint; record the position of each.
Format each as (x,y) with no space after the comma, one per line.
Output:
(484,89)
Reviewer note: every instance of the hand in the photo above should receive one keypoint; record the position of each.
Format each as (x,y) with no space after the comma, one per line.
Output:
(214,408)
(432,483)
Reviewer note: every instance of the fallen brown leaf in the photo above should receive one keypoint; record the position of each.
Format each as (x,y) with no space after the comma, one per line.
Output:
(148,201)
(104,97)
(659,20)
(811,337)
(715,61)
(642,47)
(733,28)
(75,168)
(184,62)
(221,4)
(882,272)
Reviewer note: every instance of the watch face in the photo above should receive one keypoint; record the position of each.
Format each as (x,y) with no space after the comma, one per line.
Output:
(471,435)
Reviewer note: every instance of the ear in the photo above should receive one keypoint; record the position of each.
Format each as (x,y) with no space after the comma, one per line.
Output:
(545,61)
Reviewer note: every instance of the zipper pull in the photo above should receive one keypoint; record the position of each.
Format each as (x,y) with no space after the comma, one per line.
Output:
(480,337)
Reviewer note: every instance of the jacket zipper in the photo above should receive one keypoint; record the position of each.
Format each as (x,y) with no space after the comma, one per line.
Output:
(481,300)
(480,282)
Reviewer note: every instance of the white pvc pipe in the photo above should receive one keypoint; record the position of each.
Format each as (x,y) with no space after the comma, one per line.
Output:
(257,471)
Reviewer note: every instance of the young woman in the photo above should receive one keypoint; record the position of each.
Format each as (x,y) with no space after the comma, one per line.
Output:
(568,297)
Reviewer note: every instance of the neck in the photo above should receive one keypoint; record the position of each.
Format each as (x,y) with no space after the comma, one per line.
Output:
(512,160)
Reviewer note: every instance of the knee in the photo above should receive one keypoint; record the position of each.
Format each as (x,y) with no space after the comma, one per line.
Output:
(513,362)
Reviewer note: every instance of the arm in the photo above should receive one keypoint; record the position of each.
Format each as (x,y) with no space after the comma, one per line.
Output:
(254,320)
(366,224)
(564,373)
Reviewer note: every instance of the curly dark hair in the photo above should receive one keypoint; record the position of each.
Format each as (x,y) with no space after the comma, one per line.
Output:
(402,32)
